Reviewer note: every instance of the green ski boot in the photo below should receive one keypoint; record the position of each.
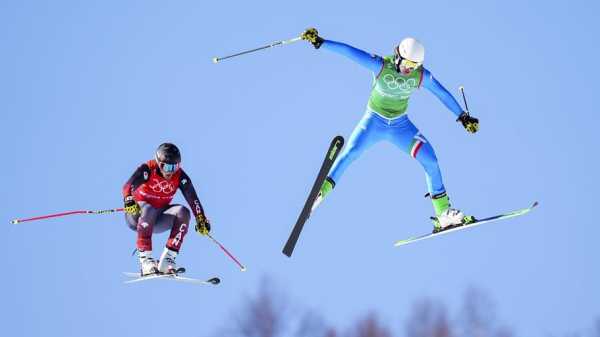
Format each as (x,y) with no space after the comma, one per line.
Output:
(326,188)
(445,216)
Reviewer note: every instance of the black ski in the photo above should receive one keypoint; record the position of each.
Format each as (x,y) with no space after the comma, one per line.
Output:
(334,150)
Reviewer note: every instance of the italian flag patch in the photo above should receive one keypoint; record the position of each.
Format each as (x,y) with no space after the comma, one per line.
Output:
(416,144)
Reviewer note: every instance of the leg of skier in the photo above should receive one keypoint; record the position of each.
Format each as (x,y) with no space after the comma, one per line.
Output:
(406,136)
(175,218)
(143,224)
(445,216)
(365,134)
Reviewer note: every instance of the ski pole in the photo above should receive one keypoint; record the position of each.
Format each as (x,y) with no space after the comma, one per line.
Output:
(42,217)
(276,43)
(227,252)
(462,91)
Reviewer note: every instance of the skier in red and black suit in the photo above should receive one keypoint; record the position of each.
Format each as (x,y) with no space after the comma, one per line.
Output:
(148,195)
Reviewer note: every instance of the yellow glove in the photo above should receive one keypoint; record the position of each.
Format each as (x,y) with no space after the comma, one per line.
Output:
(202,224)
(312,35)
(471,124)
(131,207)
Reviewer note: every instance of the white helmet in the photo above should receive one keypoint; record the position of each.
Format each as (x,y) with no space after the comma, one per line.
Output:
(411,49)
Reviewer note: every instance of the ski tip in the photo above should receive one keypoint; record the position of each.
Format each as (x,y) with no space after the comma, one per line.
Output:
(535,204)
(14,222)
(400,243)
(243,269)
(215,60)
(409,240)
(214,280)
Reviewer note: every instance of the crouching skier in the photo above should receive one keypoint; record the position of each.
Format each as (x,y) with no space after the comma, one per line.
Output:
(147,197)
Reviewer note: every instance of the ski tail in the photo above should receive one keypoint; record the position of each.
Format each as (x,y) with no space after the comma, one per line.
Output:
(334,150)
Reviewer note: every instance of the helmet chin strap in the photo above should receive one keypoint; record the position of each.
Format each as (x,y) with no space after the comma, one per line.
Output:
(397,62)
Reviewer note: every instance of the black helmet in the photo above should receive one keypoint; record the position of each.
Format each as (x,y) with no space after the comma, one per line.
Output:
(168,153)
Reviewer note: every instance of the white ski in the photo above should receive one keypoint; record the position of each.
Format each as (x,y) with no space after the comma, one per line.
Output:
(470,225)
(136,277)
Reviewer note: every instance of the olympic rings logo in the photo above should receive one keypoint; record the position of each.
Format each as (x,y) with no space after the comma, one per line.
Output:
(162,186)
(394,83)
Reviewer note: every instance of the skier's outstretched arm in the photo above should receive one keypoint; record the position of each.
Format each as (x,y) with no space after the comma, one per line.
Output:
(441,93)
(369,61)
(471,124)
(189,193)
(137,178)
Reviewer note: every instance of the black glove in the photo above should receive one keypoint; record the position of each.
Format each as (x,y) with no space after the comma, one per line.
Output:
(471,124)
(312,35)
(202,224)
(131,207)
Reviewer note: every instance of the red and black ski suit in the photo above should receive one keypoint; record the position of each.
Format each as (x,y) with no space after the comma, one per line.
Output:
(154,193)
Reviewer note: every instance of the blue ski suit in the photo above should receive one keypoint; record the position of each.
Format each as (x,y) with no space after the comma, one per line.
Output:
(400,131)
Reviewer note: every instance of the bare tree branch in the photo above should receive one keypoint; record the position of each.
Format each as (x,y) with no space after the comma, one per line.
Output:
(429,319)
(478,314)
(263,316)
(370,327)
(313,325)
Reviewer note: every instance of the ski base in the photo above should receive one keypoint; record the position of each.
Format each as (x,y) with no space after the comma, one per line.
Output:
(137,277)
(332,152)
(477,222)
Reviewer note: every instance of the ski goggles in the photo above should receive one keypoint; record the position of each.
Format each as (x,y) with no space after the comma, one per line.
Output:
(168,168)
(409,64)
(406,63)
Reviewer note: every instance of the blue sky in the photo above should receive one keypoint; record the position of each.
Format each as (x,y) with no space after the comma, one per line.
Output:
(89,89)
